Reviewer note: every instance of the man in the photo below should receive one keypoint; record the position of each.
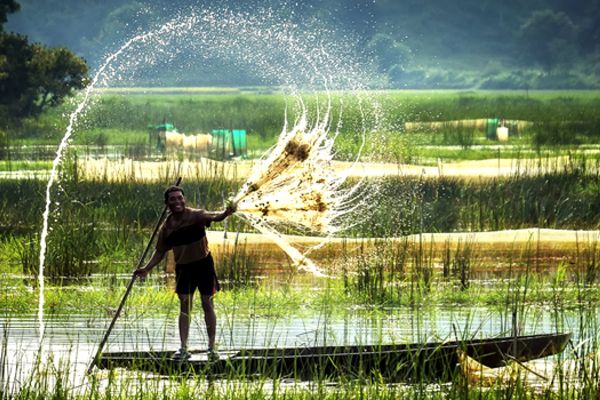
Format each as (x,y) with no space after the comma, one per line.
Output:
(184,232)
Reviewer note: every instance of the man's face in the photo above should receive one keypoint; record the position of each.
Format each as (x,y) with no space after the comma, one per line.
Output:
(176,202)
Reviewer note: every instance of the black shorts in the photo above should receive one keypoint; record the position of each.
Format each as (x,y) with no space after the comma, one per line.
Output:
(198,274)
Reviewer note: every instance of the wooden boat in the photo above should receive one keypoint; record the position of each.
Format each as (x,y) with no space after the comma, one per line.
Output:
(393,362)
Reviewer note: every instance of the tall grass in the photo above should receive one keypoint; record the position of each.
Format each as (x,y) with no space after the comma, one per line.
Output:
(385,273)
(562,199)
(375,285)
(56,379)
(101,217)
(99,221)
(259,114)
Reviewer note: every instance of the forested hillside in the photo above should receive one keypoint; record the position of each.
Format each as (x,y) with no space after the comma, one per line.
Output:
(415,44)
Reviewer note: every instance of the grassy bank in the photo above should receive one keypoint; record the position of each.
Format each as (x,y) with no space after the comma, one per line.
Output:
(563,118)
(562,196)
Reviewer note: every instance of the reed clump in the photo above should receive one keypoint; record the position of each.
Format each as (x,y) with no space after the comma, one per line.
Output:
(103,219)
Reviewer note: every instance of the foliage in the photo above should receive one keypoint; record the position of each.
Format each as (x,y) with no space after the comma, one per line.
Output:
(34,77)
(86,225)
(73,248)
(16,53)
(261,115)
(55,73)
(7,7)
(409,205)
(388,52)
(546,39)
(3,144)
(435,44)
(446,118)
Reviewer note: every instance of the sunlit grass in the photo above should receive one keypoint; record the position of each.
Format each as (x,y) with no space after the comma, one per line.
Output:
(103,137)
(99,224)
(168,90)
(303,297)
(20,165)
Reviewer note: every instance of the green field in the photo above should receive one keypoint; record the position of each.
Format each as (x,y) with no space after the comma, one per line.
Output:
(558,121)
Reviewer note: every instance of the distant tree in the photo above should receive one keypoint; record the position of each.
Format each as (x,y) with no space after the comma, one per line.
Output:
(15,53)
(389,53)
(34,77)
(123,21)
(55,73)
(547,39)
(7,7)
(589,35)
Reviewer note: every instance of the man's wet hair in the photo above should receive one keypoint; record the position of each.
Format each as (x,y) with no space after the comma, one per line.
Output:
(172,189)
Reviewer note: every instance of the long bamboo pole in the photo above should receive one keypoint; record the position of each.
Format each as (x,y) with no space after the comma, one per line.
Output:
(129,286)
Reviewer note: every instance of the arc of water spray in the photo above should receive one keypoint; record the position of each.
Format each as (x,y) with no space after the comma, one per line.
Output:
(295,184)
(321,147)
(60,151)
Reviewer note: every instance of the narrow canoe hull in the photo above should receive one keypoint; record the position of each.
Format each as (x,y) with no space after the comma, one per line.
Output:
(399,362)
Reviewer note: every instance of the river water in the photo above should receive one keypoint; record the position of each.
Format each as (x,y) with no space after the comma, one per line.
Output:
(70,341)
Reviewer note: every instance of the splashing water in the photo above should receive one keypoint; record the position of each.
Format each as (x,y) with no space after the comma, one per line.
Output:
(59,154)
(295,184)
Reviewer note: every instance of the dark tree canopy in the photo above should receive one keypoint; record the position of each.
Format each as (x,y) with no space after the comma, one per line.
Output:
(32,76)
(7,7)
(546,38)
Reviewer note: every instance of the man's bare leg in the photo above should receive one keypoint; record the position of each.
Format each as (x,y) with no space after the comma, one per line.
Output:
(210,318)
(185,317)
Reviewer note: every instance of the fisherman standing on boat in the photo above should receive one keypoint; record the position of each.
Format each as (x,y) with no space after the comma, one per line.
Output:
(184,232)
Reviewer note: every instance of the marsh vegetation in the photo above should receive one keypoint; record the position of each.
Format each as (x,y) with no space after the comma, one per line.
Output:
(386,264)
